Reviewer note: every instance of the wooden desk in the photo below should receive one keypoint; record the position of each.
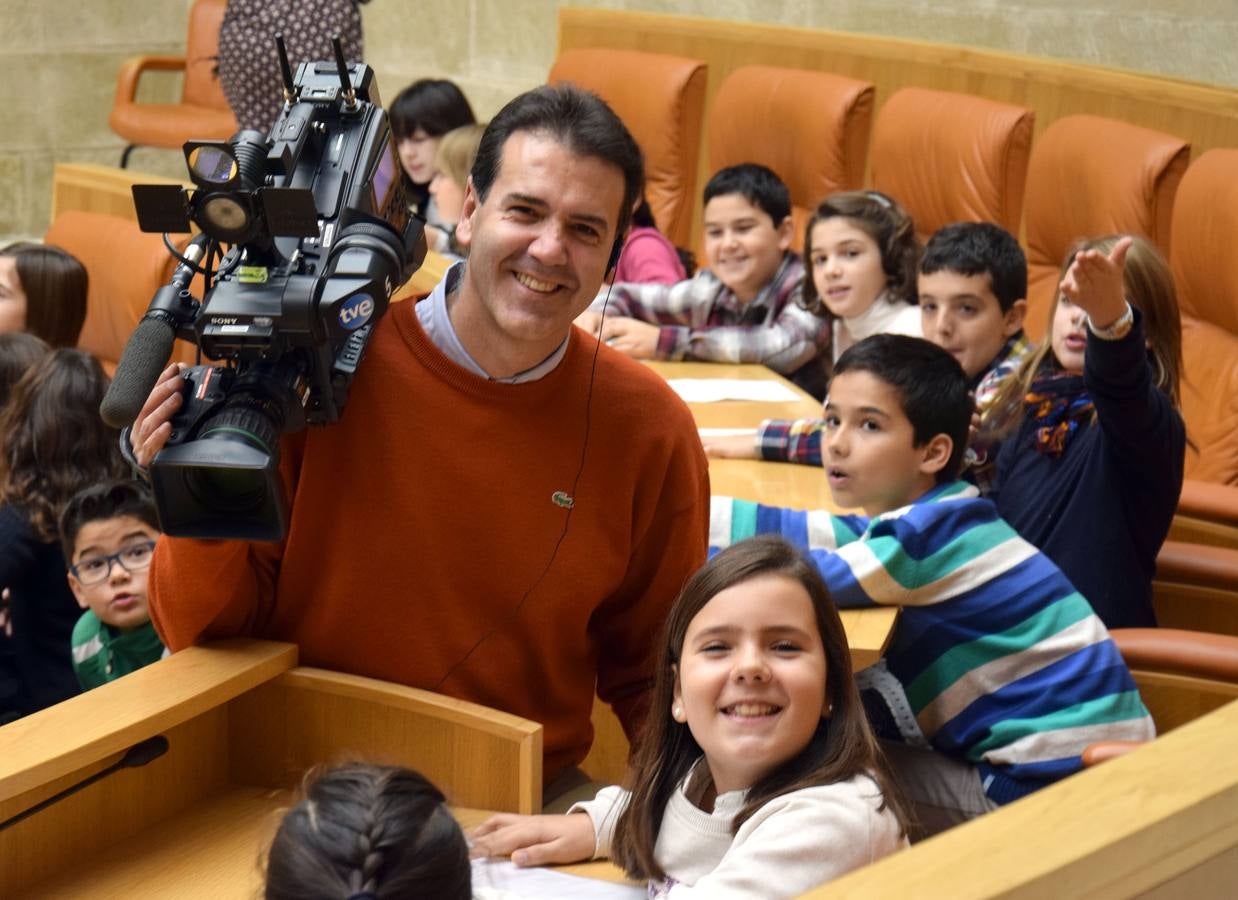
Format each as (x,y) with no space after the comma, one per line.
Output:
(738,413)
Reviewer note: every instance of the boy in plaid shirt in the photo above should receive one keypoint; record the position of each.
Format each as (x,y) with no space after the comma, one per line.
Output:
(741,308)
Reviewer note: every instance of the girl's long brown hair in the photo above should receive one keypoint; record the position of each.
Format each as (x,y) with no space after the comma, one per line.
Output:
(55,284)
(842,747)
(1149,288)
(52,441)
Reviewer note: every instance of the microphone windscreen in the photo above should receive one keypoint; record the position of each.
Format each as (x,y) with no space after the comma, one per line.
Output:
(146,354)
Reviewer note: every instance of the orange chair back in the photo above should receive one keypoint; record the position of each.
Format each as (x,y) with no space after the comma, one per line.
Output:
(1088,177)
(950,157)
(811,128)
(201,87)
(661,99)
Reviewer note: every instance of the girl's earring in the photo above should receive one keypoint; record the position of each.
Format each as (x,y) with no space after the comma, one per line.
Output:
(677,713)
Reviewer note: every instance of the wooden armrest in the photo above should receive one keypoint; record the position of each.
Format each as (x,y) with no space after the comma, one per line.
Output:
(1207,500)
(109,719)
(1197,653)
(1197,564)
(131,70)
(1103,751)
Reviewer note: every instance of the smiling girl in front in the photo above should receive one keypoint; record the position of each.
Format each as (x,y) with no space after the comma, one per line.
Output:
(758,776)
(1091,466)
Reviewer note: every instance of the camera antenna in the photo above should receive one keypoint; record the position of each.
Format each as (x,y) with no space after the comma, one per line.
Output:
(350,96)
(285,69)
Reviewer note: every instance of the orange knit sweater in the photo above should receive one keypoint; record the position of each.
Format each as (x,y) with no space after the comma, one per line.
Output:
(422,518)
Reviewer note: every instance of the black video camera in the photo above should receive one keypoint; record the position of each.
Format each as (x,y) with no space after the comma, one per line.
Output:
(320,236)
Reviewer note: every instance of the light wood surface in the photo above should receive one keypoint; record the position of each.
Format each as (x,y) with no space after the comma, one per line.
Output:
(1205,115)
(738,413)
(102,189)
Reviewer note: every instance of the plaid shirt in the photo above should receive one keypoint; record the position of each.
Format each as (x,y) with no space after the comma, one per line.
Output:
(702,319)
(799,440)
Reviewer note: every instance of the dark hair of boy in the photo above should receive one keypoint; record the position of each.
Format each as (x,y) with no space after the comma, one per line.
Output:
(842,747)
(19,351)
(931,385)
(106,500)
(756,184)
(578,119)
(368,830)
(972,248)
(434,105)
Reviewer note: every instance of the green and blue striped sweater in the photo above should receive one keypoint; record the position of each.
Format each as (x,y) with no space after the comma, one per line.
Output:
(1004,663)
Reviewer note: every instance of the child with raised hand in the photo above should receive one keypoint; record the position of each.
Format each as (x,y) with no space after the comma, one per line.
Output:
(1090,466)
(52,444)
(108,533)
(43,292)
(368,832)
(742,307)
(757,775)
(998,674)
(862,253)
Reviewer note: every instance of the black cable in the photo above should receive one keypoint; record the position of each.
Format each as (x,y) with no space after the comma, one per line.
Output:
(184,260)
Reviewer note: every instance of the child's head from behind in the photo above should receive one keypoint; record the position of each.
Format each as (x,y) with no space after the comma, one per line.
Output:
(972,286)
(896,422)
(108,533)
(1149,288)
(52,441)
(42,291)
(368,829)
(754,674)
(747,227)
(859,245)
(420,115)
(19,351)
(452,163)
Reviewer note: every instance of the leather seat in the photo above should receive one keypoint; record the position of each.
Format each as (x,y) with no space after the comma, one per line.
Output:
(126,266)
(773,116)
(661,99)
(950,157)
(1088,177)
(203,111)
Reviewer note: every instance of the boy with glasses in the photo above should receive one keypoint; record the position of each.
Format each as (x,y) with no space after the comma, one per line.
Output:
(108,532)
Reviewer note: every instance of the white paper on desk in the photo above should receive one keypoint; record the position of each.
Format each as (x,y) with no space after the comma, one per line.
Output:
(727,432)
(498,879)
(712,390)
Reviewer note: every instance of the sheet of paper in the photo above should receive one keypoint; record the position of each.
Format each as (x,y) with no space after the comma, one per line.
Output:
(498,879)
(712,390)
(726,432)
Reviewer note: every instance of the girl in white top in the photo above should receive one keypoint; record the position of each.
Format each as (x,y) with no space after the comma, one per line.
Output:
(758,776)
(862,254)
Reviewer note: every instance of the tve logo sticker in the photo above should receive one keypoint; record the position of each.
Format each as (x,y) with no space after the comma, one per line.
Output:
(356,312)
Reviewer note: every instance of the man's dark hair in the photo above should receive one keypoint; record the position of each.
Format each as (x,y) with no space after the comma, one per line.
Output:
(106,500)
(757,184)
(972,248)
(578,119)
(931,385)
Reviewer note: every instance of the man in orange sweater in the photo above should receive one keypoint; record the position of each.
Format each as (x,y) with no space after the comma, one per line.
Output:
(506,510)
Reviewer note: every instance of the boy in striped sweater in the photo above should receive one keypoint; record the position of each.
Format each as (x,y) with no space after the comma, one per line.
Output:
(998,673)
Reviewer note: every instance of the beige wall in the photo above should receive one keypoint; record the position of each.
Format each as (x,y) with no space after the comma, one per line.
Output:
(59,57)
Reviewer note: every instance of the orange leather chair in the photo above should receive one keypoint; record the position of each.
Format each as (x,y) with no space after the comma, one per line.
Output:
(812,128)
(203,112)
(1090,176)
(661,99)
(126,266)
(950,157)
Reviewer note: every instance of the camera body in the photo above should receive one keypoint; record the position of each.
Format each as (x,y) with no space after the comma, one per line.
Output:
(320,235)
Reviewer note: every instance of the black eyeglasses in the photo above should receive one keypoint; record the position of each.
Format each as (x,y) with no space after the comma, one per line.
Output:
(133,558)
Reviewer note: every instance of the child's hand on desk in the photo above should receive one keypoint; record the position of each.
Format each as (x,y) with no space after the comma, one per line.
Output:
(535,840)
(633,337)
(731,446)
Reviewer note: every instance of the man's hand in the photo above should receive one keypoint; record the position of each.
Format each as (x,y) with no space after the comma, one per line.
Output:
(1094,283)
(152,428)
(535,840)
(731,446)
(633,337)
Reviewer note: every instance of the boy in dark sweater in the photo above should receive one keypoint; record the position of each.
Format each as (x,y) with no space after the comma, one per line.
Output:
(108,532)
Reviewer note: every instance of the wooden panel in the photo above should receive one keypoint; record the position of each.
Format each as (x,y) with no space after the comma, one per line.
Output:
(1112,831)
(477,756)
(102,189)
(83,730)
(1215,878)
(1175,700)
(1195,608)
(105,817)
(1204,115)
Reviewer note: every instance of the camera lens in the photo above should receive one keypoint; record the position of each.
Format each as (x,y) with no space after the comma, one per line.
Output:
(227,490)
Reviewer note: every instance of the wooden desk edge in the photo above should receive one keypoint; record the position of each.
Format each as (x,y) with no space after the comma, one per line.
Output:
(108,720)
